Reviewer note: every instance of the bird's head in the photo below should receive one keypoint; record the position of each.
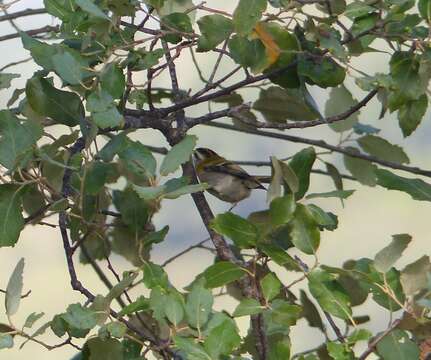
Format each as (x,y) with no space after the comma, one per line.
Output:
(202,154)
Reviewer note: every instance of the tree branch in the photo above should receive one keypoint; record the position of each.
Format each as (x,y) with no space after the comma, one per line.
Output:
(235,112)
(18,14)
(42,30)
(372,345)
(322,144)
(185,251)
(306,124)
(66,191)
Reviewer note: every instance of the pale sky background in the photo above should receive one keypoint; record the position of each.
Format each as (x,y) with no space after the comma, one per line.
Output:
(366,223)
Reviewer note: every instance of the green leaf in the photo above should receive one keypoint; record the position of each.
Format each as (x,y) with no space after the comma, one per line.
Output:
(154,276)
(375,280)
(363,170)
(174,308)
(340,100)
(247,14)
(156,237)
(281,171)
(339,351)
(115,146)
(215,29)
(304,232)
(329,294)
(331,39)
(282,209)
(140,304)
(361,24)
(59,8)
(358,9)
(324,219)
(222,273)
(61,106)
(32,318)
(172,189)
(323,72)
(359,335)
(5,79)
(405,74)
(381,148)
(110,349)
(278,105)
(248,307)
(248,53)
(222,339)
(14,289)
(17,139)
(424,7)
(283,313)
(193,350)
(97,175)
(41,52)
(310,312)
(333,7)
(302,163)
(335,176)
(91,8)
(242,232)
(280,256)
(80,317)
(362,129)
(271,286)
(6,341)
(415,276)
(341,194)
(138,159)
(416,188)
(177,22)
(388,256)
(69,68)
(134,211)
(118,289)
(184,190)
(166,7)
(289,46)
(198,305)
(11,219)
(178,155)
(397,345)
(103,110)
(112,80)
(113,329)
(411,114)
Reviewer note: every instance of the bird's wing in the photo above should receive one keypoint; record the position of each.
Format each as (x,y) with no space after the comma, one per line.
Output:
(228,167)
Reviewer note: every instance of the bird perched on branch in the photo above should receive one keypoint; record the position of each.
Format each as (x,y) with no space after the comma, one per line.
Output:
(227,181)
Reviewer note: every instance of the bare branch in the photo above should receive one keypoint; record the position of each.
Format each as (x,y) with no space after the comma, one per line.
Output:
(185,251)
(322,144)
(42,30)
(18,14)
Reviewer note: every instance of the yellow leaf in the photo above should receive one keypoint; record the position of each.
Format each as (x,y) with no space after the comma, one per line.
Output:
(272,49)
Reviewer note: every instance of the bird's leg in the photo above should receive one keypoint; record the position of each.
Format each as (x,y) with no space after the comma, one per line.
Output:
(232,207)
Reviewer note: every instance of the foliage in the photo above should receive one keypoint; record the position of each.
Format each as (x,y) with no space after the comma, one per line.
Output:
(105,187)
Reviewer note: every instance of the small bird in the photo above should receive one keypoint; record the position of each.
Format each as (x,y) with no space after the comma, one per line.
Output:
(227,180)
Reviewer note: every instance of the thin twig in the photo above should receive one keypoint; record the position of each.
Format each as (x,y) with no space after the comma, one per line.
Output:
(372,345)
(185,251)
